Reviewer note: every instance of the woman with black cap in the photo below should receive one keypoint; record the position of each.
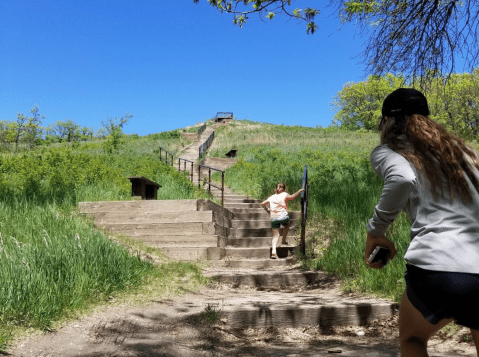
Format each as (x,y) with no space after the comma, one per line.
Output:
(434,177)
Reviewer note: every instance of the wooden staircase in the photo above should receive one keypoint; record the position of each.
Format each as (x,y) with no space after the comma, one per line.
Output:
(177,227)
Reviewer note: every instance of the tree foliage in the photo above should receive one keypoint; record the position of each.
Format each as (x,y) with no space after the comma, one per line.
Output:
(241,9)
(114,129)
(454,104)
(25,129)
(418,38)
(358,105)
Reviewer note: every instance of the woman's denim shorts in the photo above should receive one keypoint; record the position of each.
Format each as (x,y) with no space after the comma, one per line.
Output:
(439,295)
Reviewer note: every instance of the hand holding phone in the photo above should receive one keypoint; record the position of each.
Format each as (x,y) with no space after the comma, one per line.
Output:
(379,253)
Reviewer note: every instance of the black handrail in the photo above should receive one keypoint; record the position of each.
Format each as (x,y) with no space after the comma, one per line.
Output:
(205,146)
(201,130)
(184,169)
(304,210)
(222,188)
(166,156)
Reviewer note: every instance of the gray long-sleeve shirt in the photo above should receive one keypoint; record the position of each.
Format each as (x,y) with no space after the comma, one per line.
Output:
(444,234)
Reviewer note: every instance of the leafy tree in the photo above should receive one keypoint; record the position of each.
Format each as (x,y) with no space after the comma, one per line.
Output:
(66,130)
(114,129)
(86,134)
(358,105)
(415,37)
(457,104)
(24,129)
(32,130)
(454,103)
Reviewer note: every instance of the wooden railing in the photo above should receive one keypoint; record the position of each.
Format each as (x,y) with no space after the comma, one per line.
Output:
(201,129)
(167,154)
(304,210)
(205,146)
(184,168)
(222,188)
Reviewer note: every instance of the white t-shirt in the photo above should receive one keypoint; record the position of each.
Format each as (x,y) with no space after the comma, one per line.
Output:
(278,206)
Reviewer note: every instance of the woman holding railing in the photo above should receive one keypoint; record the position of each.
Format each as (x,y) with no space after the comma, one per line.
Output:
(278,209)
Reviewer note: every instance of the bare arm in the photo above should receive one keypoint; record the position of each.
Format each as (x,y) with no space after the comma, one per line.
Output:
(294,195)
(265,204)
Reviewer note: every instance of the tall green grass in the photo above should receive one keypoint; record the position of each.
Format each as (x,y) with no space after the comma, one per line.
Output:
(52,261)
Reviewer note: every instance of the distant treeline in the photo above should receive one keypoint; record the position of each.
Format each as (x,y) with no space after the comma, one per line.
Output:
(27,131)
(453,103)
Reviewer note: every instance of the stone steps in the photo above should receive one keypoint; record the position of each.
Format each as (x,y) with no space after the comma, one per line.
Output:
(142,206)
(256,242)
(258,264)
(256,224)
(141,217)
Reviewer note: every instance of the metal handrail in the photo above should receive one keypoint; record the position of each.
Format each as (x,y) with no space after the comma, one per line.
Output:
(202,129)
(184,169)
(222,188)
(304,210)
(205,146)
(166,156)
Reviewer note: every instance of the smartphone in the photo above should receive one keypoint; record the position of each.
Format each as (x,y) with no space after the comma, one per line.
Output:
(379,253)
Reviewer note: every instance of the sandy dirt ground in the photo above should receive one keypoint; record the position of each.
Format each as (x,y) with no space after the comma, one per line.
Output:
(187,326)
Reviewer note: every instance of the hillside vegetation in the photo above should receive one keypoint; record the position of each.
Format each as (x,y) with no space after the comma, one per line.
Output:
(52,261)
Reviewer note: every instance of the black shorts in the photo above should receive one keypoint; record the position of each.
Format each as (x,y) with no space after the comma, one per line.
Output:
(442,295)
(277,224)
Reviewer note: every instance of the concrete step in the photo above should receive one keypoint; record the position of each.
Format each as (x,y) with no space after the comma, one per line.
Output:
(140,217)
(160,228)
(244,213)
(258,232)
(263,279)
(181,245)
(239,199)
(256,224)
(256,242)
(243,205)
(302,310)
(142,205)
(192,240)
(257,253)
(252,216)
(185,253)
(253,263)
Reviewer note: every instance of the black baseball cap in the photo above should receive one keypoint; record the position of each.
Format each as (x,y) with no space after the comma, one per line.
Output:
(405,101)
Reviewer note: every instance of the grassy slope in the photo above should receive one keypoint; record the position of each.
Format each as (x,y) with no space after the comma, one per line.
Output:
(52,261)
(343,192)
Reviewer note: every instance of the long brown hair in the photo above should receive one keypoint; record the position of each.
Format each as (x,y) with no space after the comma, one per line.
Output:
(433,152)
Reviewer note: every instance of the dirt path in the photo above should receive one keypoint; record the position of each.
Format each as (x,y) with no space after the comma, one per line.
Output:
(180,328)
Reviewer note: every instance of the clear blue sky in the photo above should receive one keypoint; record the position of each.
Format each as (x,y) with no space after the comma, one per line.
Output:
(168,63)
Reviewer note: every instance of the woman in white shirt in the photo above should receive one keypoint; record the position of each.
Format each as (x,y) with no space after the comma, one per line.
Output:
(278,209)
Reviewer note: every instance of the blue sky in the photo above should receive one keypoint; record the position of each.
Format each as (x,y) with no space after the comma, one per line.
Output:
(170,64)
